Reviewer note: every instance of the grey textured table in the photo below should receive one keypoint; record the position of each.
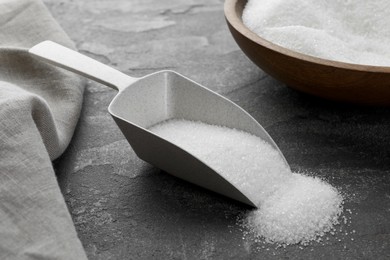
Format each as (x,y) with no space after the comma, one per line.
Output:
(124,208)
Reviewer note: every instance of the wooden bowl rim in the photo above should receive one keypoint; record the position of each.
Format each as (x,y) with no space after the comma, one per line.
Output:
(235,20)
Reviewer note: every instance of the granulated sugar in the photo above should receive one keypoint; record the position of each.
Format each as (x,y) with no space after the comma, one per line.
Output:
(291,208)
(303,209)
(343,30)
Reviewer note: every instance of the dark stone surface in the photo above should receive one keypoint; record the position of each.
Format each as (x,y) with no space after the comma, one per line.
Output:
(124,208)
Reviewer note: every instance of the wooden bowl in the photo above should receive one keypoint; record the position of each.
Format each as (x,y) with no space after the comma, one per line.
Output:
(345,82)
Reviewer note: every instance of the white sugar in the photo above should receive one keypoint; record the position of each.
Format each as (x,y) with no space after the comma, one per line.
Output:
(303,209)
(292,208)
(343,30)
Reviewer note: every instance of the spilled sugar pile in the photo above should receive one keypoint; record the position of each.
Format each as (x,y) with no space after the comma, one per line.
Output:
(291,208)
(302,210)
(343,30)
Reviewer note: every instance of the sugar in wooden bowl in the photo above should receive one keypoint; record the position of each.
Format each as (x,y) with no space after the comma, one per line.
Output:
(351,65)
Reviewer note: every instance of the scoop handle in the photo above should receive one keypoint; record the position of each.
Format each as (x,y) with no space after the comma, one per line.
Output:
(74,61)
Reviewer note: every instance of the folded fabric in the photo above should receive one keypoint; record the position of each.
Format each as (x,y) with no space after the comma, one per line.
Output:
(39,108)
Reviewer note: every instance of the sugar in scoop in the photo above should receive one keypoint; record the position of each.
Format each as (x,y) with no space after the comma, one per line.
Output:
(341,30)
(291,208)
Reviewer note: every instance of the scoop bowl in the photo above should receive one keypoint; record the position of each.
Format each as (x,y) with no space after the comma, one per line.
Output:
(164,95)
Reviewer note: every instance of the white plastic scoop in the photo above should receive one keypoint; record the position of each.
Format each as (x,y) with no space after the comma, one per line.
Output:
(144,102)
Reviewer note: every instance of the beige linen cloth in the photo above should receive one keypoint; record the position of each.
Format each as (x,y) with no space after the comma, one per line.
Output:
(39,108)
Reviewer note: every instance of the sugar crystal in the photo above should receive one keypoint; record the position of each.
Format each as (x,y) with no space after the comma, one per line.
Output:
(291,208)
(349,31)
